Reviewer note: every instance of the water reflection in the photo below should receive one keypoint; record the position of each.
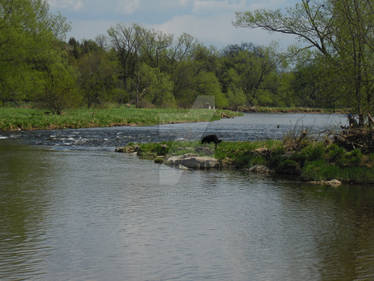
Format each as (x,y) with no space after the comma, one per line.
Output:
(24,176)
(341,224)
(97,215)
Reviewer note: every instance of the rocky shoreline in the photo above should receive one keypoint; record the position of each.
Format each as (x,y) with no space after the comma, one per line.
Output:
(309,161)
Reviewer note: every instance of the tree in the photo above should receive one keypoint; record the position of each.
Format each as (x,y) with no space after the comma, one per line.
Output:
(340,30)
(127,41)
(59,87)
(252,65)
(98,77)
(153,87)
(29,36)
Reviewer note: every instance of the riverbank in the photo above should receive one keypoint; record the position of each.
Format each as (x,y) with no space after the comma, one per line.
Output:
(13,119)
(265,109)
(297,158)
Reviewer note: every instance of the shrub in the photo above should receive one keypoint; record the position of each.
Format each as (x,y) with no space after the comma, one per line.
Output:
(320,170)
(353,158)
(312,152)
(288,167)
(335,153)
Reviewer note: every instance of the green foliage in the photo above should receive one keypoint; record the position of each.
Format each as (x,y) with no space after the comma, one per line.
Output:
(59,90)
(341,34)
(98,78)
(29,37)
(312,152)
(335,153)
(149,68)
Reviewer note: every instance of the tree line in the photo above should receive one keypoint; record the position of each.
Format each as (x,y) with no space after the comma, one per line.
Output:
(150,68)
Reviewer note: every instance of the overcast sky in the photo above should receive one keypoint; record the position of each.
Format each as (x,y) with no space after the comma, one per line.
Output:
(210,21)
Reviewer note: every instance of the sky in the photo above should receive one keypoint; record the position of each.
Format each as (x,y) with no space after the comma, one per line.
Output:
(209,21)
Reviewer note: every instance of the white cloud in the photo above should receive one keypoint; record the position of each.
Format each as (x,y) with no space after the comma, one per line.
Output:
(210,21)
(184,2)
(67,4)
(219,31)
(89,29)
(128,7)
(214,5)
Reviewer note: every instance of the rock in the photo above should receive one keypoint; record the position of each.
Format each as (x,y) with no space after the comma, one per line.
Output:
(332,183)
(193,162)
(159,160)
(226,163)
(128,149)
(262,150)
(260,169)
(181,167)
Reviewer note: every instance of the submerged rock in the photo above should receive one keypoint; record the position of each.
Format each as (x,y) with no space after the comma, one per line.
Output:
(193,162)
(333,183)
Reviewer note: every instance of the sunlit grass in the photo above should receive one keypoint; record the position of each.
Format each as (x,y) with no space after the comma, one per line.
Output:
(31,119)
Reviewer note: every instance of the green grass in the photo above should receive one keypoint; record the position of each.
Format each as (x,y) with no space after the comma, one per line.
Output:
(313,162)
(31,119)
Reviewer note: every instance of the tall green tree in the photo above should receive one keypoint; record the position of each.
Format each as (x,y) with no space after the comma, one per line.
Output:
(29,40)
(341,30)
(152,87)
(98,77)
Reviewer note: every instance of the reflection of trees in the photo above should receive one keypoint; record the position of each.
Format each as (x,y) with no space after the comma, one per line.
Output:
(23,174)
(343,228)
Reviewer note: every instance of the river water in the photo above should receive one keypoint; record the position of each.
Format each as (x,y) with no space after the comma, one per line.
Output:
(72,209)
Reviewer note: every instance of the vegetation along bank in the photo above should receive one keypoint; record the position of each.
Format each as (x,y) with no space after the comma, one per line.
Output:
(31,119)
(301,158)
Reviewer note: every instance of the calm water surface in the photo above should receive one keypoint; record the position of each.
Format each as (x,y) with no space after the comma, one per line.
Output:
(86,213)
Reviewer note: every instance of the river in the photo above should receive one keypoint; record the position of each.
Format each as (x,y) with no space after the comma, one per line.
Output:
(72,209)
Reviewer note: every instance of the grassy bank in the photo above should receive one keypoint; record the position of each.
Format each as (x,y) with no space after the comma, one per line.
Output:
(301,159)
(265,109)
(31,119)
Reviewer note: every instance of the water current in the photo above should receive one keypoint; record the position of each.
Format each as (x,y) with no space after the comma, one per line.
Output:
(72,209)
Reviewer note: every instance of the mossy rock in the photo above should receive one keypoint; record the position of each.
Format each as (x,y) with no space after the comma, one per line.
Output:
(159,160)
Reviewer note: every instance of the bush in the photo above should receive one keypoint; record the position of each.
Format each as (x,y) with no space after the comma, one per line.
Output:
(335,153)
(320,170)
(288,167)
(312,152)
(353,158)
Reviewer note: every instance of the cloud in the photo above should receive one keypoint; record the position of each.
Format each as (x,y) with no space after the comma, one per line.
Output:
(218,31)
(218,5)
(67,4)
(90,29)
(128,7)
(210,21)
